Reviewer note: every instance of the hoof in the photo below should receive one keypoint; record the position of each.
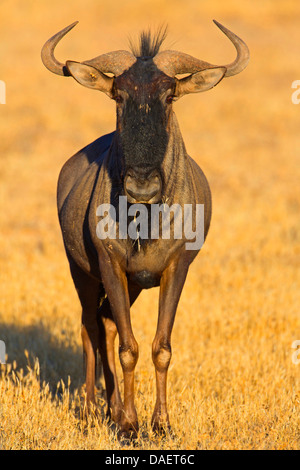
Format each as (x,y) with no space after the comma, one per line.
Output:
(128,432)
(127,437)
(162,430)
(161,426)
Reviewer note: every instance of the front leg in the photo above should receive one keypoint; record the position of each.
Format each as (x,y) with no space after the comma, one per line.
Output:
(115,282)
(171,284)
(107,334)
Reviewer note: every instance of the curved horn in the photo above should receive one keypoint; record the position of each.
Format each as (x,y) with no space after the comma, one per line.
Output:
(48,58)
(243,54)
(113,62)
(173,63)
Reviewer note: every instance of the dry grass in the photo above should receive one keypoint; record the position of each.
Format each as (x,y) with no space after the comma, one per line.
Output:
(232,383)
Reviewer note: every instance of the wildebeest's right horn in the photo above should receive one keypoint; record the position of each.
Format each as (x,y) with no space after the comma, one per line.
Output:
(48,58)
(173,62)
(113,62)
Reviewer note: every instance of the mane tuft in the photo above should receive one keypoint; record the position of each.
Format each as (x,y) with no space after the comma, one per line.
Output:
(149,43)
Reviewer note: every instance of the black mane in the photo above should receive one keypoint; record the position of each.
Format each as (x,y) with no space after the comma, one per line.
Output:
(149,43)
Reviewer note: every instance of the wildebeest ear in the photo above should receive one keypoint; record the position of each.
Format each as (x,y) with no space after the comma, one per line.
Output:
(90,77)
(199,81)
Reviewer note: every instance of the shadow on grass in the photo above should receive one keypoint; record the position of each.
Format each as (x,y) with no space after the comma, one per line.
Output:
(57,360)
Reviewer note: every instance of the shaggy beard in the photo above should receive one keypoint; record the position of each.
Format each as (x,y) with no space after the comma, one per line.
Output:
(144,138)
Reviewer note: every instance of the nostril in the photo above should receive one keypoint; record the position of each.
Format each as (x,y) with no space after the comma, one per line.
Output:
(142,196)
(140,193)
(140,188)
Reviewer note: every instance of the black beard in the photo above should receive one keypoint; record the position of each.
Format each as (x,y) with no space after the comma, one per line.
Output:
(143,137)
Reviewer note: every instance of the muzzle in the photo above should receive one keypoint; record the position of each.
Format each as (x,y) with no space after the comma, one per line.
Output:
(143,186)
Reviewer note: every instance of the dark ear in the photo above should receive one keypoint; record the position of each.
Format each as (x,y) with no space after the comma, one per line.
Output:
(199,81)
(90,77)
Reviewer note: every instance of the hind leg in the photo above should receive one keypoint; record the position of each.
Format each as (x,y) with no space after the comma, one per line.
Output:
(107,334)
(88,293)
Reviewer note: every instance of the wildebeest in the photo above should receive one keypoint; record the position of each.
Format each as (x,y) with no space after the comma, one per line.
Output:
(145,160)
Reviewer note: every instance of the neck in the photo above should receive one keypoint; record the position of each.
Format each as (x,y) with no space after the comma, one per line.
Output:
(174,164)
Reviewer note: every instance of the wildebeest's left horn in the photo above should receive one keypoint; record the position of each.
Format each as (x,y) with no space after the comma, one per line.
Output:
(173,62)
(243,54)
(113,62)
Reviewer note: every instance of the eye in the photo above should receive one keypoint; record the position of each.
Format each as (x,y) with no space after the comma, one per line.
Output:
(118,99)
(170,99)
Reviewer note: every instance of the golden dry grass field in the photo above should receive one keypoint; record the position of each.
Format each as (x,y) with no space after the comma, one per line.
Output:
(232,381)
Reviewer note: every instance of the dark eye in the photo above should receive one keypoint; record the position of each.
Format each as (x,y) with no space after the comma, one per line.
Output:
(118,99)
(170,99)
